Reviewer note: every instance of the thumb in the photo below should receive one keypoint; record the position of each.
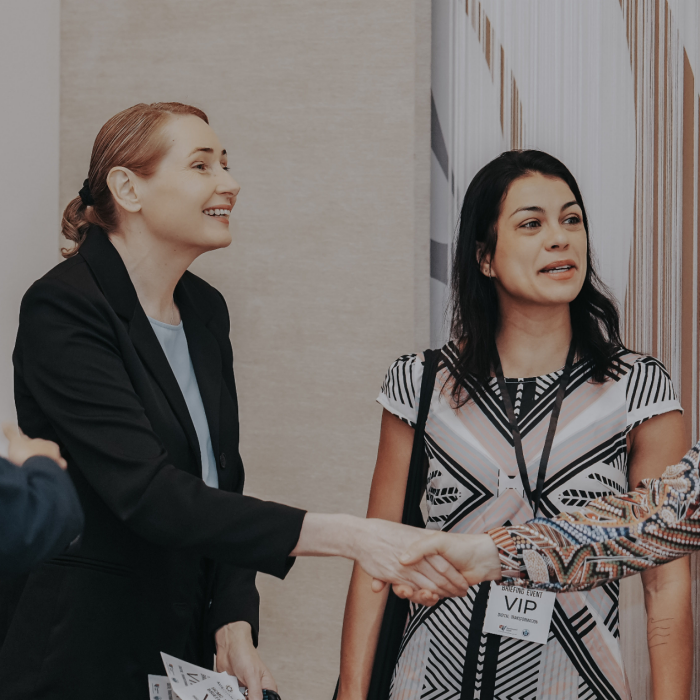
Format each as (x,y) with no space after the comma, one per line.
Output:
(419,550)
(377,585)
(254,684)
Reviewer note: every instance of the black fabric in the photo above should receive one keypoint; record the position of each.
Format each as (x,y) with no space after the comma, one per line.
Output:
(476,667)
(396,611)
(158,545)
(85,194)
(40,514)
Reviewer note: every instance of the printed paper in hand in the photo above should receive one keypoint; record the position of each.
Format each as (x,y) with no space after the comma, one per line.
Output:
(159,688)
(190,682)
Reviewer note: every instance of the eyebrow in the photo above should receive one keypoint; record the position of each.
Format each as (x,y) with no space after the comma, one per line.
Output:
(206,150)
(541,211)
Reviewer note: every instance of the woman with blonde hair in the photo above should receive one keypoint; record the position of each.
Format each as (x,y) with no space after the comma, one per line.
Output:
(123,358)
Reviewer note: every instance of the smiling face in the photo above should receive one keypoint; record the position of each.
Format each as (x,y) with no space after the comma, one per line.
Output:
(188,200)
(541,248)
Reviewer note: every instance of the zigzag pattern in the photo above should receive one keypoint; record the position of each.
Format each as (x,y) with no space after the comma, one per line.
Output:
(444,652)
(518,670)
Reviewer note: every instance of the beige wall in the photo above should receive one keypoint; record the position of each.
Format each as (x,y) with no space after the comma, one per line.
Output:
(29,79)
(324,108)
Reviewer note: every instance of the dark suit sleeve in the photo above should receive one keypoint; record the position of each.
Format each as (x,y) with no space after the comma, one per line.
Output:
(40,514)
(71,363)
(235,599)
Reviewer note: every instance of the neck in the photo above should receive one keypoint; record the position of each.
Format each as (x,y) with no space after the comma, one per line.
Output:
(155,267)
(533,340)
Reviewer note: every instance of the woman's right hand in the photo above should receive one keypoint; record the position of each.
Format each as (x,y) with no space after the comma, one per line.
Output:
(425,580)
(376,545)
(21,448)
(475,556)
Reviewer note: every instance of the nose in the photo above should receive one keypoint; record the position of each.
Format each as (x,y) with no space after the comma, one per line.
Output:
(558,238)
(227,185)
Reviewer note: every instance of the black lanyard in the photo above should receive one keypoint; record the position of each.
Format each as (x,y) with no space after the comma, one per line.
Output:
(517,439)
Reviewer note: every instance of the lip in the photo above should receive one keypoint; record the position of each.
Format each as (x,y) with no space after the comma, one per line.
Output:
(563,274)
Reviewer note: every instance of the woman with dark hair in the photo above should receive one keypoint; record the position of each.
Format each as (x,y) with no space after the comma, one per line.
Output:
(537,408)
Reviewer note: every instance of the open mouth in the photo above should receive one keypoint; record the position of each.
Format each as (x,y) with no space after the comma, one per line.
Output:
(558,268)
(221,213)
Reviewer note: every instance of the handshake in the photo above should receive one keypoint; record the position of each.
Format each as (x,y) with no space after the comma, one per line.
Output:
(425,566)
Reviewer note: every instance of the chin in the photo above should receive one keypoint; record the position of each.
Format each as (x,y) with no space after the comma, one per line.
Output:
(214,242)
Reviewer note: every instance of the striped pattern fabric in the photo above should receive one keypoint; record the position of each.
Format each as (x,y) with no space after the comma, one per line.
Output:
(444,652)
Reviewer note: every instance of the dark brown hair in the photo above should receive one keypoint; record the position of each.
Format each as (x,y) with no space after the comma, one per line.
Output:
(131,139)
(595,320)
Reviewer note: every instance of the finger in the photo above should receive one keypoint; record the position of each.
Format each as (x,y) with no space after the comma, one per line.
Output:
(417,579)
(448,571)
(444,586)
(377,585)
(420,597)
(420,549)
(268,682)
(62,463)
(253,682)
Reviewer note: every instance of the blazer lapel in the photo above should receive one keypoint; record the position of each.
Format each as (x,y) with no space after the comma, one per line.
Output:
(206,360)
(153,357)
(114,281)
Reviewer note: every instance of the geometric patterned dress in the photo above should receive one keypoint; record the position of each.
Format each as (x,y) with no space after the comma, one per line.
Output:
(444,653)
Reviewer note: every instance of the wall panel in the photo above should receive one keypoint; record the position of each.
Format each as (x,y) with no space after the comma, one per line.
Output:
(611,88)
(324,109)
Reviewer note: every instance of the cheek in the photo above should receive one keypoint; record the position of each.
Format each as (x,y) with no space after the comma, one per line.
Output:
(176,208)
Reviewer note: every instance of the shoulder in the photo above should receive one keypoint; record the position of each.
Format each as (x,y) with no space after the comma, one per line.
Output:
(640,368)
(400,388)
(72,274)
(649,391)
(400,392)
(68,287)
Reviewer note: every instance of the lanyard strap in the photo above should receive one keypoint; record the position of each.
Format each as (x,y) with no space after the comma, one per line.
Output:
(517,439)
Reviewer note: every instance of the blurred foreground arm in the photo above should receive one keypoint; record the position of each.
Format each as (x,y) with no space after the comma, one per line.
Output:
(40,514)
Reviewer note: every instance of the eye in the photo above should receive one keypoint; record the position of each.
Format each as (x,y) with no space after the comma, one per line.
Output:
(573,219)
(530,224)
(200,166)
(226,168)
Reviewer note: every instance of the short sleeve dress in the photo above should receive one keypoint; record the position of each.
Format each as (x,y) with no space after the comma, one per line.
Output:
(444,652)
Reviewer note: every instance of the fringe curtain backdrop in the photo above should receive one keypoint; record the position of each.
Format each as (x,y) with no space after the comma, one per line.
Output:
(612,88)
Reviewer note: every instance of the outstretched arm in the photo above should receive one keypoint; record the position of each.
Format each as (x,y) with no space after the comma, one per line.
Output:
(613,537)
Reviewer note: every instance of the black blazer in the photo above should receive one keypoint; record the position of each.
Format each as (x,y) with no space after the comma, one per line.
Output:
(164,560)
(40,514)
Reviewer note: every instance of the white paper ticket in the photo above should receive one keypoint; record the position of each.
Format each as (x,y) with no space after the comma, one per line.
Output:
(191,682)
(159,688)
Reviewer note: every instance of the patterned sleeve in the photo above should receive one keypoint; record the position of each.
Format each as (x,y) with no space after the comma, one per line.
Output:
(399,392)
(613,537)
(650,392)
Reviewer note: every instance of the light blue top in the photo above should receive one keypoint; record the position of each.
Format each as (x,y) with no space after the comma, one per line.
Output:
(174,343)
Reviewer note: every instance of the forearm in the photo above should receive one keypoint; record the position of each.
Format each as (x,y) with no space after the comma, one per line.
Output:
(667,597)
(613,537)
(329,535)
(361,625)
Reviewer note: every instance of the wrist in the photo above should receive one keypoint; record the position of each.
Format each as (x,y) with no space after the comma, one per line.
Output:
(487,553)
(330,535)
(233,633)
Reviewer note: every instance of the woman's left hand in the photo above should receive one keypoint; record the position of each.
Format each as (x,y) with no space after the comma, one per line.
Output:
(237,656)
